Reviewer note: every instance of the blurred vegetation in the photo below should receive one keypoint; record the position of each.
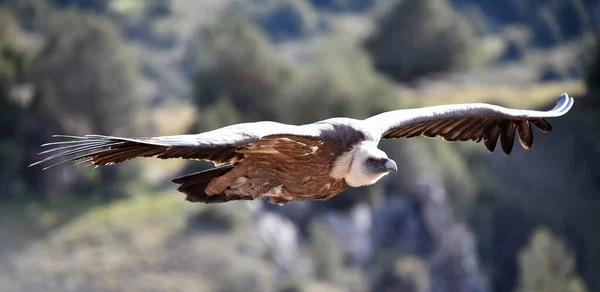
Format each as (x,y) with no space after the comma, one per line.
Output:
(414,274)
(342,80)
(31,14)
(219,217)
(82,48)
(282,20)
(247,82)
(547,265)
(234,66)
(550,22)
(592,78)
(327,256)
(344,5)
(13,107)
(86,83)
(422,38)
(456,218)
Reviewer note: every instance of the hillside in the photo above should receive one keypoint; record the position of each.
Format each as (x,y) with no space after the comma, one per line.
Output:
(454,218)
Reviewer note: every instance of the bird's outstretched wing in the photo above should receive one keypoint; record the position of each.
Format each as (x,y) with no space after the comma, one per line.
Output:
(463,122)
(218,146)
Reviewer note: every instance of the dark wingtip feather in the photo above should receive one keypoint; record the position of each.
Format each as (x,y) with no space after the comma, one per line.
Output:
(490,144)
(543,125)
(507,138)
(491,133)
(525,134)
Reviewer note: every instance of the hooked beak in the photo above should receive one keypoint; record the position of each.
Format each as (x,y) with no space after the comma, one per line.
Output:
(389,165)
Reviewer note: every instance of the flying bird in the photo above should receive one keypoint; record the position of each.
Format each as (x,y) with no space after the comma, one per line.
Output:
(315,161)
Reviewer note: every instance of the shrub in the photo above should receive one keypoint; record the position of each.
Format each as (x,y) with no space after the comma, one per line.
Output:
(592,78)
(13,109)
(547,265)
(413,274)
(327,257)
(246,275)
(344,5)
(236,70)
(422,37)
(283,20)
(219,217)
(339,81)
(87,84)
(87,76)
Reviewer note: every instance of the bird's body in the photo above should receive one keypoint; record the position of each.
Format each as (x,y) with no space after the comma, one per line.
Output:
(307,162)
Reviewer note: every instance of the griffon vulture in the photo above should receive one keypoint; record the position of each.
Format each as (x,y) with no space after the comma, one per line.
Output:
(307,162)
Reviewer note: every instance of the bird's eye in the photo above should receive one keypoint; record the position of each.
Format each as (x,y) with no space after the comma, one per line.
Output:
(371,161)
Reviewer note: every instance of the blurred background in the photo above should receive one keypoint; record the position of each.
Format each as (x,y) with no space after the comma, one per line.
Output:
(455,218)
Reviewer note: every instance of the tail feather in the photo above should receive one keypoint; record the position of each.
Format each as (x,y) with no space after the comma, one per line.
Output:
(194,185)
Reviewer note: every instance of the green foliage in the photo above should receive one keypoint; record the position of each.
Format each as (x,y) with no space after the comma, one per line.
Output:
(592,78)
(422,37)
(413,273)
(547,265)
(344,5)
(13,109)
(341,80)
(219,114)
(291,284)
(87,76)
(283,19)
(351,279)
(87,84)
(243,276)
(326,255)
(239,79)
(11,159)
(135,244)
(31,14)
(234,65)
(10,63)
(220,216)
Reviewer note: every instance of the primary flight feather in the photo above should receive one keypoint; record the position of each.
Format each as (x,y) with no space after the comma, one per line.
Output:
(306,162)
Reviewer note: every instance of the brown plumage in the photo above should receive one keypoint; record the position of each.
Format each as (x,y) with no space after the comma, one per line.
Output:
(308,162)
(476,129)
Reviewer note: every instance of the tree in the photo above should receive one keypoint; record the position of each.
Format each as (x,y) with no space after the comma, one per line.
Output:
(13,108)
(237,73)
(88,78)
(592,77)
(325,253)
(547,265)
(344,5)
(421,37)
(31,14)
(342,80)
(86,81)
(282,20)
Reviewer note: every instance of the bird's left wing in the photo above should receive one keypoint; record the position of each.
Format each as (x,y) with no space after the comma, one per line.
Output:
(218,146)
(463,122)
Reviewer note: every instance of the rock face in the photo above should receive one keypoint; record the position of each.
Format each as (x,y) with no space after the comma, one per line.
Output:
(353,231)
(427,231)
(280,235)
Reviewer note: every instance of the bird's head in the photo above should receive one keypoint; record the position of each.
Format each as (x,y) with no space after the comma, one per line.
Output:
(367,165)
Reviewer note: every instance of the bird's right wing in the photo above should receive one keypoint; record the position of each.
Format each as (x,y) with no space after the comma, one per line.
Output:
(471,121)
(218,146)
